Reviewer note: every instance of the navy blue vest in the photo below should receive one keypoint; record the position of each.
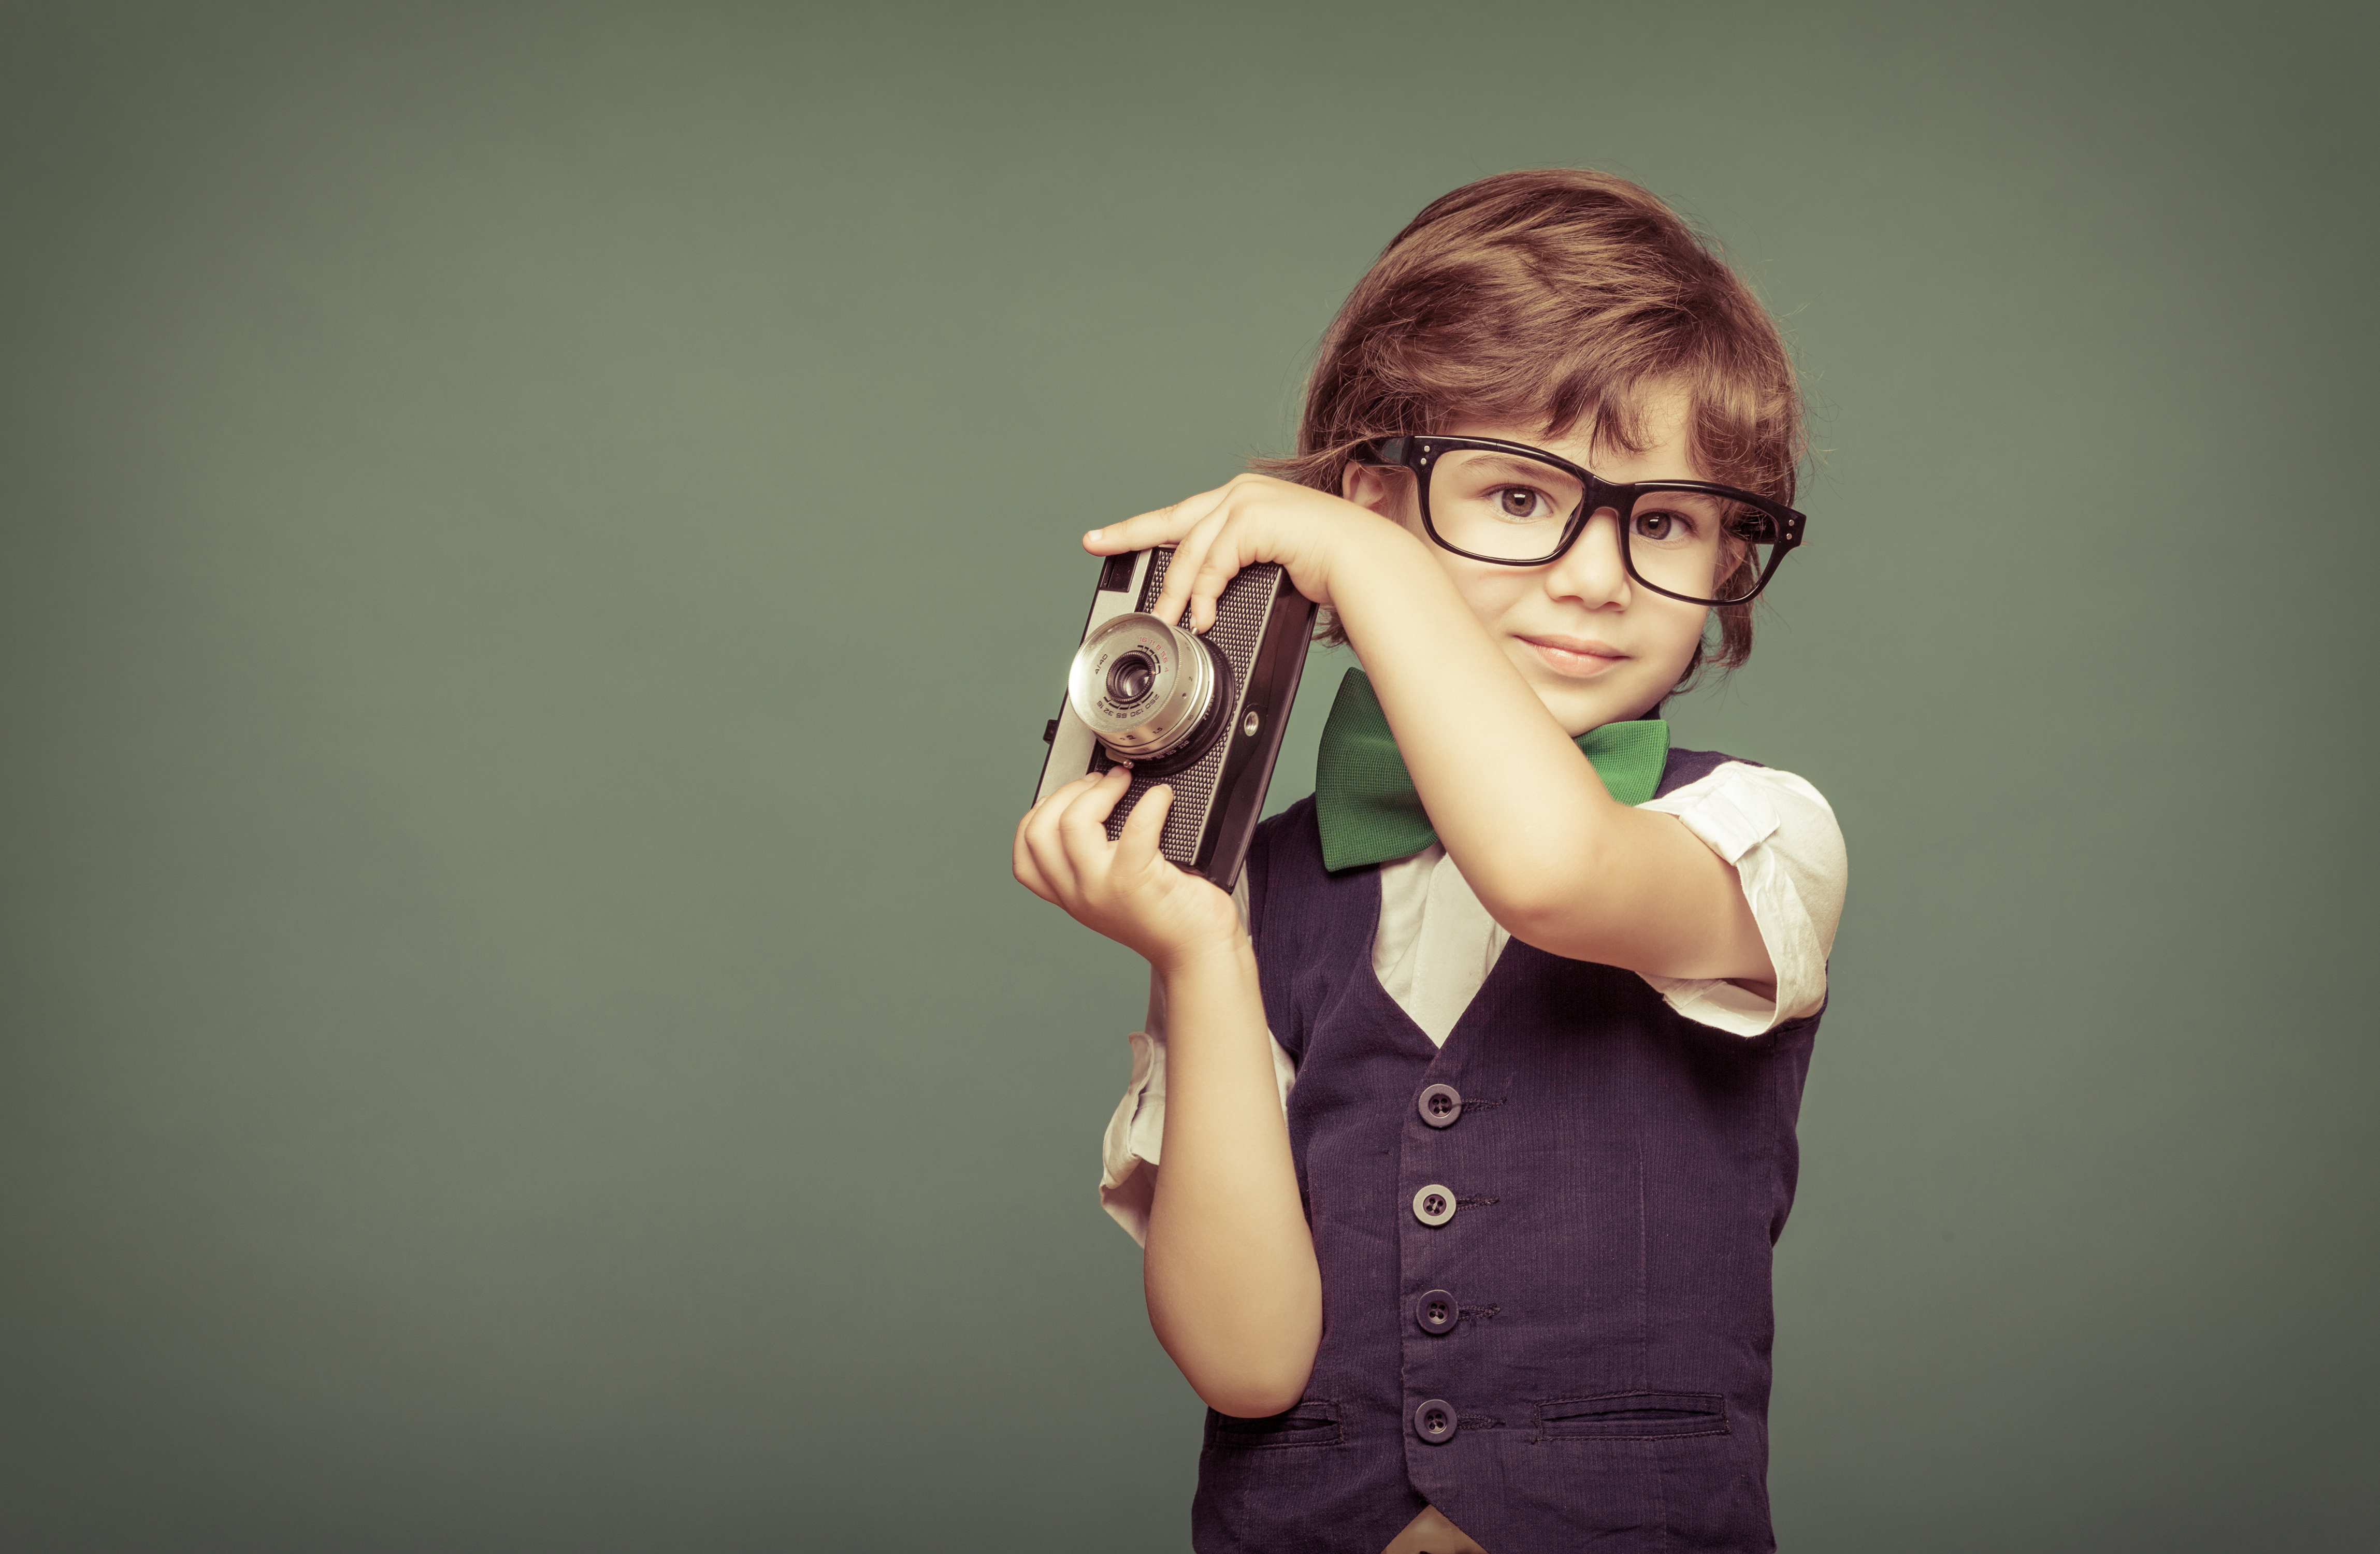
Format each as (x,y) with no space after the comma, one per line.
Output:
(1576,1351)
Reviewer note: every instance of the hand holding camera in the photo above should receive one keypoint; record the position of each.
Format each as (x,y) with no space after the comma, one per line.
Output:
(1187,671)
(1123,888)
(1218,533)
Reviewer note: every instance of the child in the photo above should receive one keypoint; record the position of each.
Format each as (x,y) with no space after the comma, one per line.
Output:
(1473,1252)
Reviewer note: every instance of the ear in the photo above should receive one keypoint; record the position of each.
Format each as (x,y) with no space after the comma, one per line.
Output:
(1382,488)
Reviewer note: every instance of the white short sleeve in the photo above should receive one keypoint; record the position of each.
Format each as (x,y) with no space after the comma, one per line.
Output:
(1781,834)
(1128,1154)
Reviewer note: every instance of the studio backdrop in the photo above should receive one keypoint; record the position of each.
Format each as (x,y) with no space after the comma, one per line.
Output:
(535,546)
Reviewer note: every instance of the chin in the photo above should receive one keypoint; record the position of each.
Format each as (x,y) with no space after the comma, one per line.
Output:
(1581,704)
(1581,710)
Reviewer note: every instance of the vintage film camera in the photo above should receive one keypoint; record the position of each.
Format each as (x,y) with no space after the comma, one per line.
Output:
(1203,714)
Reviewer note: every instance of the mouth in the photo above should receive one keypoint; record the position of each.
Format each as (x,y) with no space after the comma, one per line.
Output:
(1575,657)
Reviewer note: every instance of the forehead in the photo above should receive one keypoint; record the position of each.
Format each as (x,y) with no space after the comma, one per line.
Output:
(1663,435)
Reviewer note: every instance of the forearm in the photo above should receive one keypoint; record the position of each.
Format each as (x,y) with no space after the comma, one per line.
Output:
(1522,814)
(1525,818)
(1550,852)
(1233,1292)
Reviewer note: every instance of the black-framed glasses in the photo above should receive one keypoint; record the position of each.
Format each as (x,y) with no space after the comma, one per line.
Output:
(1515,505)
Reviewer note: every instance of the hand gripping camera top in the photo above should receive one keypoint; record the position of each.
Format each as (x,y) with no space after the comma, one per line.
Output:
(1201,714)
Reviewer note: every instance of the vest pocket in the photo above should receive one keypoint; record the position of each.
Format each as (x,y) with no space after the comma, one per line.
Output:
(1314,1422)
(1633,1416)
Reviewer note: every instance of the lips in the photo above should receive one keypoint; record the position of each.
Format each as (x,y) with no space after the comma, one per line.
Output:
(1576,657)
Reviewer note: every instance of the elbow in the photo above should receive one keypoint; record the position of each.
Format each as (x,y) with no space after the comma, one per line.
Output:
(1255,1395)
(1541,904)
(1547,919)
(1522,914)
(1526,891)
(1252,1373)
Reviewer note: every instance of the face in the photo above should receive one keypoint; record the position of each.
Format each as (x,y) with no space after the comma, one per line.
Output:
(1594,646)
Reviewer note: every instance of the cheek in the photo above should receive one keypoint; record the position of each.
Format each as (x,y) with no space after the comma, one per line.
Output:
(1676,631)
(1489,590)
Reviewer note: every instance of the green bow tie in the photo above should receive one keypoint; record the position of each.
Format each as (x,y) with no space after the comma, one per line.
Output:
(1365,801)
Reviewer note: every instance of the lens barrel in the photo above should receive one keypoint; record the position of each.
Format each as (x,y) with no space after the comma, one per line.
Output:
(1147,688)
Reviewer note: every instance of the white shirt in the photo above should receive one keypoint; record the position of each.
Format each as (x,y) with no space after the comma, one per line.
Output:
(1436,944)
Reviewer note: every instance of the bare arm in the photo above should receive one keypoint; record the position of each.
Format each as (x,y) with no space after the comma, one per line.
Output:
(1234,1293)
(1550,854)
(1553,858)
(1233,1290)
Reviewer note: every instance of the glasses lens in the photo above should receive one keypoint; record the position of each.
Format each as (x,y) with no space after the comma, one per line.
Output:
(1502,505)
(1700,545)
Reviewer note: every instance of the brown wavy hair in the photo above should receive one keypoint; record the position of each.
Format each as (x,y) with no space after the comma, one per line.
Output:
(1556,298)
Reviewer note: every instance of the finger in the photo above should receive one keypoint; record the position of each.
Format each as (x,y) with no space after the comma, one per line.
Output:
(1137,845)
(1205,564)
(1046,859)
(1083,830)
(1182,572)
(1022,865)
(1163,526)
(1055,803)
(1223,562)
(1047,845)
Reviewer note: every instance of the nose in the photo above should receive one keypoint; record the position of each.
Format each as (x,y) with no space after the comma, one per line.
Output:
(1591,571)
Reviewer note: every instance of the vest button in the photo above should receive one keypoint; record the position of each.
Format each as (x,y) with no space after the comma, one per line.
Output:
(1434,1421)
(1441,1105)
(1436,1311)
(1433,1205)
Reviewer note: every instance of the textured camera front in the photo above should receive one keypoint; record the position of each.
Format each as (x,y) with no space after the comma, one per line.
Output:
(1238,630)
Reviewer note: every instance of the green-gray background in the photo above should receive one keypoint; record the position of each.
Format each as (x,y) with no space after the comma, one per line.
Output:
(535,545)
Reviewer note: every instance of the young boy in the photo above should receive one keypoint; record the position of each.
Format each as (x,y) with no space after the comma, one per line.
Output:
(1465,1241)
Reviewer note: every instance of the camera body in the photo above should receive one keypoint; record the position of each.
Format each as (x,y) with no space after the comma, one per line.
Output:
(1204,715)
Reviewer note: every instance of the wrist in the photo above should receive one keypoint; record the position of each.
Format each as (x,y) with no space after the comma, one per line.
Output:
(1387,571)
(1209,958)
(1219,955)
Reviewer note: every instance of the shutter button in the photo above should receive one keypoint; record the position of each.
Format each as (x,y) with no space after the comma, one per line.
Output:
(1441,1105)
(1436,1311)
(1434,1421)
(1433,1205)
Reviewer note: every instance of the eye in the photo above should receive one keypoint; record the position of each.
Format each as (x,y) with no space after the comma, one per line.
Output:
(1662,528)
(1522,502)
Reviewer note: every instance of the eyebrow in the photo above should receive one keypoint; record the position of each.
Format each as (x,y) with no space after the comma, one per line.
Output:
(1513,463)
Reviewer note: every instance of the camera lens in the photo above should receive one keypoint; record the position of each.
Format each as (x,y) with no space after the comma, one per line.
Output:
(1148,690)
(1130,677)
